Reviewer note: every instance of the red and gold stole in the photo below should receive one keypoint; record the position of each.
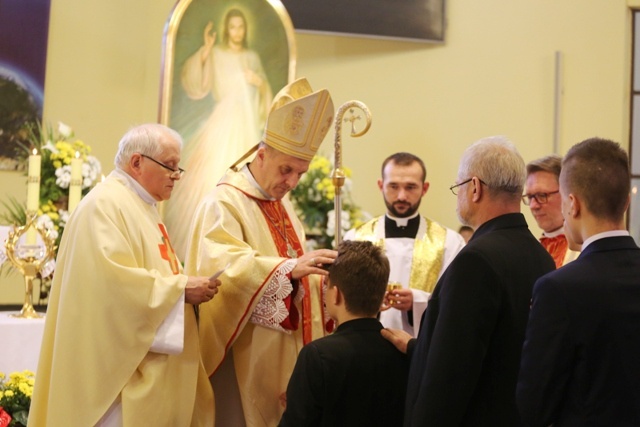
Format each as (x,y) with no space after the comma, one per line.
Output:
(284,235)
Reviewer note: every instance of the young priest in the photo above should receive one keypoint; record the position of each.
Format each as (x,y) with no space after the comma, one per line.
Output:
(353,377)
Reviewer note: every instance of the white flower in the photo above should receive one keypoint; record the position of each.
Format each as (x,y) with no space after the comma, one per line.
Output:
(90,171)
(46,222)
(64,217)
(51,147)
(63,176)
(65,130)
(345,222)
(331,224)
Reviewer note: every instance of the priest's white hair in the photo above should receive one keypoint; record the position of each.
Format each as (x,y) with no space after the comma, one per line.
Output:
(145,139)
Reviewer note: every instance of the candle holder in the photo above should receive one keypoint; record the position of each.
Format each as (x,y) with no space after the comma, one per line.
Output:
(29,259)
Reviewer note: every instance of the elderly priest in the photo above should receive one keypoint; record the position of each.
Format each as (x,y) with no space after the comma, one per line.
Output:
(120,346)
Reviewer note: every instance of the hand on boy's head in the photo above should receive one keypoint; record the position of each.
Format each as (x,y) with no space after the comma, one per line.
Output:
(314,262)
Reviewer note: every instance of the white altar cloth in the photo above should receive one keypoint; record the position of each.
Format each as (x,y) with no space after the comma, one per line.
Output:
(20,341)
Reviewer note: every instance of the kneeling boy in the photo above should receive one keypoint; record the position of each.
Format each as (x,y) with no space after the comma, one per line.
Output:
(353,377)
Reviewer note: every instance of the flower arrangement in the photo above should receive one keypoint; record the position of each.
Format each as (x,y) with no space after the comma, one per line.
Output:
(15,398)
(57,148)
(313,199)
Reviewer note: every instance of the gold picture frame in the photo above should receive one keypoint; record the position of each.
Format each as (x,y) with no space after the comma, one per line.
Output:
(223,61)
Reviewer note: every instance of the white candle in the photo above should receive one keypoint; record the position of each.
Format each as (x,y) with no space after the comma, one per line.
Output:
(33,192)
(33,182)
(75,186)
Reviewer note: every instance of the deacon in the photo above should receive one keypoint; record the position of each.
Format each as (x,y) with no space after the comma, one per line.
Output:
(419,249)
(252,333)
(120,345)
(543,197)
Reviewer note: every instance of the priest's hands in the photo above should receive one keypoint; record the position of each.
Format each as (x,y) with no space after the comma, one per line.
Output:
(200,289)
(397,337)
(311,263)
(400,299)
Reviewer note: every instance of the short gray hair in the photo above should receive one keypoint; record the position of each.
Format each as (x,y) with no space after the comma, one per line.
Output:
(144,139)
(496,161)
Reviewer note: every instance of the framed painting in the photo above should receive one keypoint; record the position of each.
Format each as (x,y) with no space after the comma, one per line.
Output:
(411,20)
(223,62)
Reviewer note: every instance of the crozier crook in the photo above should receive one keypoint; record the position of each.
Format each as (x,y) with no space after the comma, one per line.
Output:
(337,175)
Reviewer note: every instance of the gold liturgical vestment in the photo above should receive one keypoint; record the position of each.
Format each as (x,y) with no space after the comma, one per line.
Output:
(428,251)
(231,228)
(116,282)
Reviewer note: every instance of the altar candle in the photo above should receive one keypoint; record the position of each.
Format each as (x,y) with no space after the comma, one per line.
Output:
(33,182)
(33,192)
(75,186)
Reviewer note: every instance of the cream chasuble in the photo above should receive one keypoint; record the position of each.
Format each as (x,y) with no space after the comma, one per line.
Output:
(231,227)
(117,281)
(415,263)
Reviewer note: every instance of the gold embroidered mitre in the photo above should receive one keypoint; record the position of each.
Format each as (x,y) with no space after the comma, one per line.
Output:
(299,120)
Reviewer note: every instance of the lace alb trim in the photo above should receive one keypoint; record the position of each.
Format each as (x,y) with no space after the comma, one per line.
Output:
(271,310)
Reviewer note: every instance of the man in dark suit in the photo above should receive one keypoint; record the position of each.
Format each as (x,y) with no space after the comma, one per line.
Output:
(581,358)
(353,377)
(464,363)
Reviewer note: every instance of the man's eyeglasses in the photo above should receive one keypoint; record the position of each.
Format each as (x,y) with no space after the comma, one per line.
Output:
(179,172)
(541,198)
(454,187)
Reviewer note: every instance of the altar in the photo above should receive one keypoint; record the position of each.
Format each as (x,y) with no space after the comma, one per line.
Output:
(19,342)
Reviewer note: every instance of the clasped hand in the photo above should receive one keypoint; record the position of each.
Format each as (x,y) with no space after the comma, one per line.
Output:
(200,289)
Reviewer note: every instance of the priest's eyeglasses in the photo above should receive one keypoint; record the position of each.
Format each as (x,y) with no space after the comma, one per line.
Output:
(174,172)
(454,188)
(541,198)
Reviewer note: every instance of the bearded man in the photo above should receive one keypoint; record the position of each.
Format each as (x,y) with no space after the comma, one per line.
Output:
(419,249)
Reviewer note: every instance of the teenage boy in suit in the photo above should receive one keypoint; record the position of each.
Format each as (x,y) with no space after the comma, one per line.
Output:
(580,360)
(353,377)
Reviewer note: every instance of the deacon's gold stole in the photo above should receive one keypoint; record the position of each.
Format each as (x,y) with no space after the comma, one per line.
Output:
(428,252)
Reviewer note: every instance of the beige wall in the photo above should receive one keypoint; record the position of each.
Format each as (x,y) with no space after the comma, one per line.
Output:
(494,75)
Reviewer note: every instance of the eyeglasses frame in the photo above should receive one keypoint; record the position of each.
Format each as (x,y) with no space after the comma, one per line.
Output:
(526,198)
(454,186)
(179,171)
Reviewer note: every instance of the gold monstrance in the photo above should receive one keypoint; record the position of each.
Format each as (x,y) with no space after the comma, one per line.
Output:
(338,175)
(29,258)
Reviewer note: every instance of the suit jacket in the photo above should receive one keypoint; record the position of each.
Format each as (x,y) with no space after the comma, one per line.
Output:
(581,358)
(351,378)
(464,364)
